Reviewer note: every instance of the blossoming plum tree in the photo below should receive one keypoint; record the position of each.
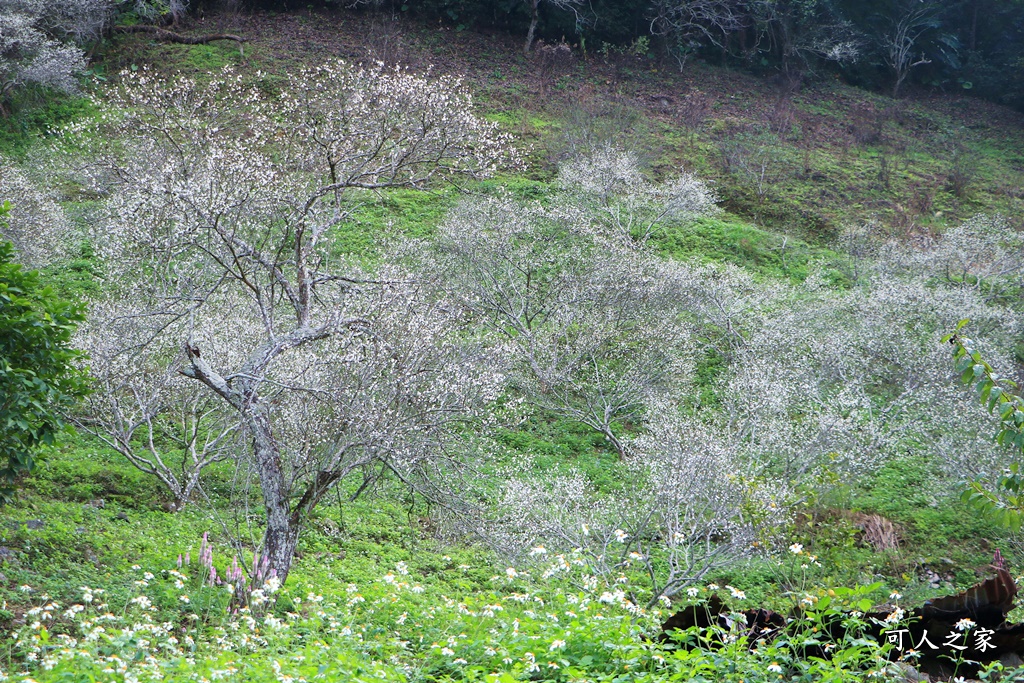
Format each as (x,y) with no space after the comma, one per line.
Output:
(688,509)
(591,315)
(826,377)
(39,42)
(36,225)
(221,202)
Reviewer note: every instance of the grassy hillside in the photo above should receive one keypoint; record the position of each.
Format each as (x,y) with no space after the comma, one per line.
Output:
(833,154)
(378,592)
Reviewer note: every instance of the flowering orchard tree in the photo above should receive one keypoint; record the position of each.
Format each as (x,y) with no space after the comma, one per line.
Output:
(594,320)
(984,253)
(594,329)
(690,507)
(27,55)
(618,204)
(833,379)
(39,42)
(36,225)
(221,202)
(143,407)
(829,378)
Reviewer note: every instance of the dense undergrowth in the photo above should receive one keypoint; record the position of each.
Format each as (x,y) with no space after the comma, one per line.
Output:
(91,581)
(102,584)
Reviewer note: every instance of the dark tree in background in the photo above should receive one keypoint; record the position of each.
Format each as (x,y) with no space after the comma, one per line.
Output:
(954,45)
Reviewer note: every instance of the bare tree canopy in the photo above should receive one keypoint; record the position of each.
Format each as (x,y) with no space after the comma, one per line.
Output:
(900,41)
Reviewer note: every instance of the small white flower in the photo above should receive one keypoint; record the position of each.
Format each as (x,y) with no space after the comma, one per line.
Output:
(897,616)
(965,624)
(796,548)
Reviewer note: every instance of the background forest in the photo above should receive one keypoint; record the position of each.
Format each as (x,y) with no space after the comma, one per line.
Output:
(469,341)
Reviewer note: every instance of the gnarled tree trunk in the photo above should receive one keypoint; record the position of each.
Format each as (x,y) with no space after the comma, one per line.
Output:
(281,535)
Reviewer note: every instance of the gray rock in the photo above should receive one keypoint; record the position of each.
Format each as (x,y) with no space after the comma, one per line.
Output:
(122,516)
(1011,660)
(910,674)
(6,553)
(35,524)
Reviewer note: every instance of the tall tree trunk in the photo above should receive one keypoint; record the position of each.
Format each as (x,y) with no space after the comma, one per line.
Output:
(534,18)
(281,535)
(897,84)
